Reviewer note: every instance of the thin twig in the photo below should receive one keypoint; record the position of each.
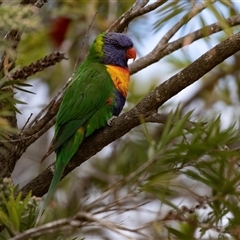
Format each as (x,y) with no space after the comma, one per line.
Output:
(117,22)
(50,104)
(26,123)
(82,45)
(122,22)
(128,178)
(36,135)
(46,228)
(76,222)
(40,3)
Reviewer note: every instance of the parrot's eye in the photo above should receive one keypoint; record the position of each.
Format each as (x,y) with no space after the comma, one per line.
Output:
(117,46)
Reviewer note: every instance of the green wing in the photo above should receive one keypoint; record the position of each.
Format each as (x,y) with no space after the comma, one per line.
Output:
(87,93)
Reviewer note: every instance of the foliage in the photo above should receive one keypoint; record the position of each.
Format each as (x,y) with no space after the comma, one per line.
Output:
(17,17)
(177,180)
(12,17)
(183,165)
(16,214)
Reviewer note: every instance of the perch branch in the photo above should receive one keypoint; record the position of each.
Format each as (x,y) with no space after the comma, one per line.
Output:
(51,109)
(145,108)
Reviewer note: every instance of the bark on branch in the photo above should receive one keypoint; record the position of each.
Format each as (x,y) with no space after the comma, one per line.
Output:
(45,118)
(39,65)
(147,107)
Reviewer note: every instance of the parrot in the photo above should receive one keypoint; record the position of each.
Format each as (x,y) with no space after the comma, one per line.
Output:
(94,97)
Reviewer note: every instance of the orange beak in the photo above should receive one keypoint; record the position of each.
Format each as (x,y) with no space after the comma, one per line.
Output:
(131,53)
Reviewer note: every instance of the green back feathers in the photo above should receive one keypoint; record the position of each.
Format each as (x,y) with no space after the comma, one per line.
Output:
(86,95)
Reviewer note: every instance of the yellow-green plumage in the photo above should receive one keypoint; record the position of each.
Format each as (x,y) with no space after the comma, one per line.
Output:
(90,100)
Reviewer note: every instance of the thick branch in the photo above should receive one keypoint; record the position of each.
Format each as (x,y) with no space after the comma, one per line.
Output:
(144,109)
(158,52)
(42,122)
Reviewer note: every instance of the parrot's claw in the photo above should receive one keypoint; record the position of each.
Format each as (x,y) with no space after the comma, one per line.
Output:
(109,122)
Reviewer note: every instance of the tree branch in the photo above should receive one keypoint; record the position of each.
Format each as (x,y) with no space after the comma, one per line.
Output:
(145,108)
(78,221)
(38,66)
(161,50)
(39,3)
(185,19)
(135,11)
(42,122)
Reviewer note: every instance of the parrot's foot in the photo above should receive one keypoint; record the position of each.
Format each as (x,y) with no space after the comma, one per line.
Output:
(109,122)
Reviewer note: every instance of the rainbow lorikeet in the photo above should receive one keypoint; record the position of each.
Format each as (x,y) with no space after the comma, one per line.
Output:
(96,94)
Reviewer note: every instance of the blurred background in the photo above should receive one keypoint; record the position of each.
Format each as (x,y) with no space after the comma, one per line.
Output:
(70,26)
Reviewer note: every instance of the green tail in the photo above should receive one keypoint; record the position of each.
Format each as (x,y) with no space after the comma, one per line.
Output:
(60,166)
(64,154)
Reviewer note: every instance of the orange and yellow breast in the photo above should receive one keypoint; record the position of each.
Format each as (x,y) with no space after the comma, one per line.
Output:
(120,77)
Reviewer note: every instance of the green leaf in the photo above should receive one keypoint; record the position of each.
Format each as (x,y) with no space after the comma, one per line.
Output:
(24,90)
(170,10)
(221,19)
(16,82)
(178,234)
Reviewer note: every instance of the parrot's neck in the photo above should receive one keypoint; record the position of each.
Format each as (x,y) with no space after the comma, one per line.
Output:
(120,77)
